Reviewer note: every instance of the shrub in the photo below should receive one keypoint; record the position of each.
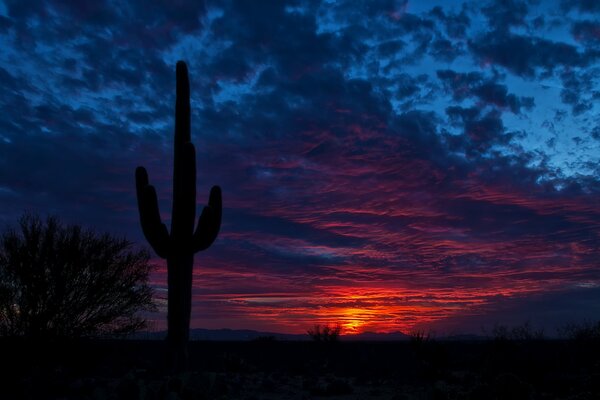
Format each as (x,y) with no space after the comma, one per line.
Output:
(325,333)
(585,331)
(524,332)
(418,337)
(64,281)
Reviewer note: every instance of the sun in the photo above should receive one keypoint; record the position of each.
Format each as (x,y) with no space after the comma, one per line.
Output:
(352,321)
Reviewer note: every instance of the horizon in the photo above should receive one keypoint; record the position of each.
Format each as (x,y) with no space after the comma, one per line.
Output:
(407,335)
(389,166)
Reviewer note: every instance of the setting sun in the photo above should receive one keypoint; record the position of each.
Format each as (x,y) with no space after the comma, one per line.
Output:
(352,321)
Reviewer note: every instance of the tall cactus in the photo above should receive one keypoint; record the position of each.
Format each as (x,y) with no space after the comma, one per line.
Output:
(179,246)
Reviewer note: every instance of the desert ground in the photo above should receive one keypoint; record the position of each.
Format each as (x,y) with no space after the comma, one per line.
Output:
(270,369)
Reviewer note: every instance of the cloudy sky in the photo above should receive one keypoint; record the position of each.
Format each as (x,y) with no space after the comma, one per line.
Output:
(389,165)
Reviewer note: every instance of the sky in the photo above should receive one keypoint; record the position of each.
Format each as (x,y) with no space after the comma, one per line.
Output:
(388,165)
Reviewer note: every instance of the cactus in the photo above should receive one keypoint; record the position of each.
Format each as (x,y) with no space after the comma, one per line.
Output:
(179,246)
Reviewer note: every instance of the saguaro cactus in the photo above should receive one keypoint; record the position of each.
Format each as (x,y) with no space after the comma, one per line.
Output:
(179,246)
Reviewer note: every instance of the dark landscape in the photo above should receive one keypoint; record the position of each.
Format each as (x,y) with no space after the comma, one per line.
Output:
(299,199)
(271,369)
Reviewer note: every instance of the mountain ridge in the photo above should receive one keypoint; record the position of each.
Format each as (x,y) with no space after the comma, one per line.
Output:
(226,334)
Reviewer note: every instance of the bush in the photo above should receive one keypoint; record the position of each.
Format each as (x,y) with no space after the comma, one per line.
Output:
(585,331)
(524,332)
(418,337)
(64,281)
(325,333)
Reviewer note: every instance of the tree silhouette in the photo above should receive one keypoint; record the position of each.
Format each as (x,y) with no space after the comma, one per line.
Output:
(179,245)
(65,281)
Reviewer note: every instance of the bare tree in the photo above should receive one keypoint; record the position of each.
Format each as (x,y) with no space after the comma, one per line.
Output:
(65,281)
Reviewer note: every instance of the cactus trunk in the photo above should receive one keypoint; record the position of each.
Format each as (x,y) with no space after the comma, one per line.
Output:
(179,308)
(180,244)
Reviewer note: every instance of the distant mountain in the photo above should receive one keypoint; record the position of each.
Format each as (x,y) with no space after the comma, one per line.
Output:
(374,336)
(224,335)
(247,335)
(467,337)
(241,335)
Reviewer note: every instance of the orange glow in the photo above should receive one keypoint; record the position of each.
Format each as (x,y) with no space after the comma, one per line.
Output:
(353,319)
(377,296)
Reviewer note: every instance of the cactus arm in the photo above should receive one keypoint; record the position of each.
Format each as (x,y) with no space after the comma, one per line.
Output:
(209,222)
(154,230)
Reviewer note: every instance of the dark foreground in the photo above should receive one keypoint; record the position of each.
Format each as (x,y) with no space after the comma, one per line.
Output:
(303,370)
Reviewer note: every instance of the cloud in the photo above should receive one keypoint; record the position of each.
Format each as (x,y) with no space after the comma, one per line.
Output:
(550,311)
(488,92)
(578,91)
(584,6)
(502,15)
(587,32)
(526,56)
(455,24)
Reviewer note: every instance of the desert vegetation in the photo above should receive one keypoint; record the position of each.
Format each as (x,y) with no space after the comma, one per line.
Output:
(180,244)
(586,331)
(522,332)
(64,281)
(325,333)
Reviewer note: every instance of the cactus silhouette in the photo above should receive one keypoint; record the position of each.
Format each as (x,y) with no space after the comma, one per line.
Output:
(179,246)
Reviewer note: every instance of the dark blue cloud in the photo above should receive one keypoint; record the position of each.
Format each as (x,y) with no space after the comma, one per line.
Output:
(586,31)
(474,84)
(526,56)
(456,24)
(502,15)
(584,6)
